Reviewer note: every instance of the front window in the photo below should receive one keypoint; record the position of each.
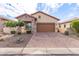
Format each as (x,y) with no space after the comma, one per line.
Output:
(35,19)
(29,26)
(39,16)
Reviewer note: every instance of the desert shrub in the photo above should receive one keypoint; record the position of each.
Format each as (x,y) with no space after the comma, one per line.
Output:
(19,33)
(13,32)
(29,32)
(66,33)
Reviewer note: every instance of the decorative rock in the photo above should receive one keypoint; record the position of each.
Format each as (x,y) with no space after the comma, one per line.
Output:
(1,39)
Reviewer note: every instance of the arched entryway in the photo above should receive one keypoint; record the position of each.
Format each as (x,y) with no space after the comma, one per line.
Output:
(28,25)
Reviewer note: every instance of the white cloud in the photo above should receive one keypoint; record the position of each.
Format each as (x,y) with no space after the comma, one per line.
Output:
(2,9)
(52,8)
(29,6)
(70,15)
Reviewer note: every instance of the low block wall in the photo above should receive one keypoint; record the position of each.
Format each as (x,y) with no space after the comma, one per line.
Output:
(9,29)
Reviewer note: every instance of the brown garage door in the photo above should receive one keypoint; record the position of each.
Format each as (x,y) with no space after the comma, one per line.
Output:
(45,27)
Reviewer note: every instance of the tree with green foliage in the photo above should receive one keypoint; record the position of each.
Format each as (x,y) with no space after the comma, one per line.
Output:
(17,24)
(75,25)
(10,24)
(20,23)
(14,23)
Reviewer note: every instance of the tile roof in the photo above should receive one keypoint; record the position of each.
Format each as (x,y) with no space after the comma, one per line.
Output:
(24,15)
(45,14)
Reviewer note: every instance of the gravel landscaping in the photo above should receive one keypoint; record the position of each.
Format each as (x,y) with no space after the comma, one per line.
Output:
(13,41)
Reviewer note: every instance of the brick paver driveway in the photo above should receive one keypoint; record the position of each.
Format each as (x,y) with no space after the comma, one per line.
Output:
(52,40)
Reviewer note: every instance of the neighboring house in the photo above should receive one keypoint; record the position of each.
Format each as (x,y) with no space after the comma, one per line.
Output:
(28,20)
(2,20)
(45,22)
(62,26)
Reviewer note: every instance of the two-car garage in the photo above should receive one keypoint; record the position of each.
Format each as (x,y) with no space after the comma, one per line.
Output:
(44,22)
(45,27)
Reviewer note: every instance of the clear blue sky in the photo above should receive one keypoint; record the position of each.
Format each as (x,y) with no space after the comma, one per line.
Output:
(59,10)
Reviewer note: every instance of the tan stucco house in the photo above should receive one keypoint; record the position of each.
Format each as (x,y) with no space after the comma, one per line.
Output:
(45,22)
(62,26)
(40,21)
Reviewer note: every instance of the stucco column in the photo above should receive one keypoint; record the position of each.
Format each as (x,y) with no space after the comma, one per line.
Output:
(33,26)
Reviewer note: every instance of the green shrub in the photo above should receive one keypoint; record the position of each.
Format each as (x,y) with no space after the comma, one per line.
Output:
(13,32)
(14,23)
(75,25)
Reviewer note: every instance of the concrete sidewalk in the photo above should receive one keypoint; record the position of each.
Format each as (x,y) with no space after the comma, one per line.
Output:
(10,50)
(41,51)
(50,51)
